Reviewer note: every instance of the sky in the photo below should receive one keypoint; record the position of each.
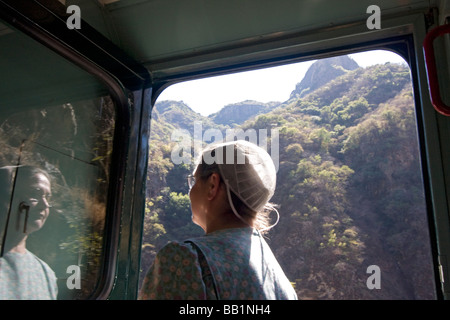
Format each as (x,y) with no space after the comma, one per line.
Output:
(209,95)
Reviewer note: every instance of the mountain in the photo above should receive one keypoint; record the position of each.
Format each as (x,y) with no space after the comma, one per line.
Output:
(238,113)
(349,188)
(169,115)
(322,72)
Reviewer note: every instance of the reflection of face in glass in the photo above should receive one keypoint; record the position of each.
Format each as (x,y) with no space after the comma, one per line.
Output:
(32,197)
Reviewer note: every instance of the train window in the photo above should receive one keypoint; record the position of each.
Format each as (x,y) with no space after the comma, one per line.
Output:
(56,135)
(344,140)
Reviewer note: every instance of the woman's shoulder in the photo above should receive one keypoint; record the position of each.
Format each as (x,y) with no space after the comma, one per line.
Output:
(226,236)
(177,248)
(44,264)
(224,240)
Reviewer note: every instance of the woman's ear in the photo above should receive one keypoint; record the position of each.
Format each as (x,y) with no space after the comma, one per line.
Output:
(213,186)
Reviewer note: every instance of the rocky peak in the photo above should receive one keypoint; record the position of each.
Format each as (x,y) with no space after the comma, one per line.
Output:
(322,72)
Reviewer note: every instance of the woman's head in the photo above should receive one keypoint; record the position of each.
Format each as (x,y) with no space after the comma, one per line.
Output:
(25,193)
(247,175)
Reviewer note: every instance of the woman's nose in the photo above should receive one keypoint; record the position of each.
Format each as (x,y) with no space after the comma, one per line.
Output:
(46,203)
(43,203)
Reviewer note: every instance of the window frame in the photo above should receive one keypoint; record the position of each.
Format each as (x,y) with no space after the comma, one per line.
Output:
(125,80)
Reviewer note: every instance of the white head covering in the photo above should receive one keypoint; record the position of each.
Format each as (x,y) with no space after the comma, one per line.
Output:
(247,170)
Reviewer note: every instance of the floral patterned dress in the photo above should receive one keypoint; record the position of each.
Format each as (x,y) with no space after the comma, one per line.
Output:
(229,264)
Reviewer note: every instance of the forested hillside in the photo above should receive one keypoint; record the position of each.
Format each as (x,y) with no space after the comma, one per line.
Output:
(349,185)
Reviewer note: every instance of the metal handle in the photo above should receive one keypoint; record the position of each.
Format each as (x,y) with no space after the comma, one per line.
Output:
(433,83)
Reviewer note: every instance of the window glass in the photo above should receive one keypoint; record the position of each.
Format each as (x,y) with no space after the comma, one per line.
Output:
(56,136)
(343,136)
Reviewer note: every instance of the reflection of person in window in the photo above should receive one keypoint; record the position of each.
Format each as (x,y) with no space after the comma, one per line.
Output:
(23,211)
